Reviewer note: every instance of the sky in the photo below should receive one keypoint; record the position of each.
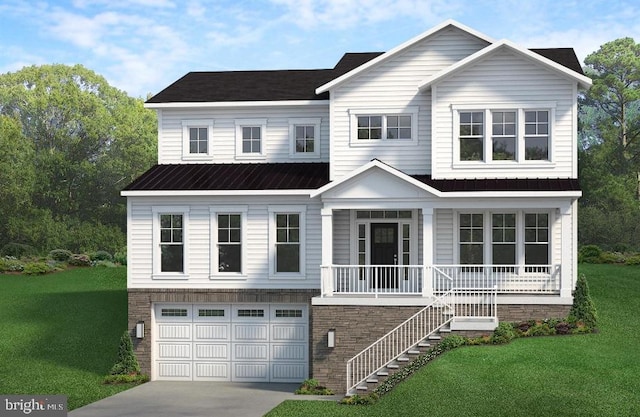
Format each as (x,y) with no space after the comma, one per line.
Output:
(142,46)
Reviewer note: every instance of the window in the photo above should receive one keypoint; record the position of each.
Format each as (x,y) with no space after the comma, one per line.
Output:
(471,136)
(196,142)
(471,239)
(229,243)
(288,242)
(171,243)
(305,134)
(370,126)
(503,236)
(210,312)
(174,312)
(250,313)
(250,138)
(288,313)
(536,135)
(536,238)
(503,135)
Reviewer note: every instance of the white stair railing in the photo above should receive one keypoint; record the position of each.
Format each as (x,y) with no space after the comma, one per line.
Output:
(399,340)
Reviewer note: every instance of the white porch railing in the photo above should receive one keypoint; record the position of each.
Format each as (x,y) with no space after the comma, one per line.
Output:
(380,280)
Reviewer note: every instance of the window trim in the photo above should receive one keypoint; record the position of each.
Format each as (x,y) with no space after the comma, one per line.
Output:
(262,124)
(214,273)
(384,112)
(519,108)
(157,273)
(197,123)
(274,210)
(293,123)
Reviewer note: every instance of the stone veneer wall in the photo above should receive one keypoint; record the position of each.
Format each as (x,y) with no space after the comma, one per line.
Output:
(141,300)
(356,327)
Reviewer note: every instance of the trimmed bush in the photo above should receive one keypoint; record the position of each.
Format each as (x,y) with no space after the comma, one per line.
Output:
(127,363)
(590,254)
(126,379)
(633,260)
(79,260)
(104,264)
(17,250)
(583,309)
(60,255)
(502,334)
(101,255)
(312,387)
(36,268)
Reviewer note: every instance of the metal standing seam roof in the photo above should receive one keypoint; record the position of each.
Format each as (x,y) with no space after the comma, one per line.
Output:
(307,176)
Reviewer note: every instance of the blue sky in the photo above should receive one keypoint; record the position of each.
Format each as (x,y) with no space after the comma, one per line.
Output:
(141,46)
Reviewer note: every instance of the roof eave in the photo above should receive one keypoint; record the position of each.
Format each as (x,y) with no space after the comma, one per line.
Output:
(226,104)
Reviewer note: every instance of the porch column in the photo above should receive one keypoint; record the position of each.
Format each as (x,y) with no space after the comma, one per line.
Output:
(327,251)
(427,251)
(566,269)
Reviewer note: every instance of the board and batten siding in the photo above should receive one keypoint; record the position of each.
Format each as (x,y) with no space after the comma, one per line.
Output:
(393,85)
(505,79)
(199,241)
(278,141)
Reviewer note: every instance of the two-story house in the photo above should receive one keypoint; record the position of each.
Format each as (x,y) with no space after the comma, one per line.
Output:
(296,217)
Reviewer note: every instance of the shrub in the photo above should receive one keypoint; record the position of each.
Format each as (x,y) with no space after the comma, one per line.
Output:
(104,264)
(60,255)
(79,260)
(36,268)
(17,250)
(540,329)
(502,334)
(563,328)
(452,342)
(589,254)
(126,379)
(10,264)
(121,256)
(101,255)
(612,258)
(312,387)
(127,363)
(633,260)
(583,309)
(360,399)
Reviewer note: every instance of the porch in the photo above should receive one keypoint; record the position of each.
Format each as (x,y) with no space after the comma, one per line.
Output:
(434,280)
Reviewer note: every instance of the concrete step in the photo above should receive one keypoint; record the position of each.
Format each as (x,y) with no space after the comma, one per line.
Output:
(362,388)
(393,366)
(403,359)
(435,337)
(372,380)
(382,373)
(413,352)
(424,345)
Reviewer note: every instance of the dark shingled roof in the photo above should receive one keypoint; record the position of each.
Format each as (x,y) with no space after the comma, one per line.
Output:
(306,176)
(281,85)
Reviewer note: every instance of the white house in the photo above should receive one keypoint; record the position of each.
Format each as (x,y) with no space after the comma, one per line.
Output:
(296,217)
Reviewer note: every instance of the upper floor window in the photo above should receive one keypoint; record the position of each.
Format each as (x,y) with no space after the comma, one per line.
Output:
(196,139)
(499,135)
(305,137)
(250,138)
(371,126)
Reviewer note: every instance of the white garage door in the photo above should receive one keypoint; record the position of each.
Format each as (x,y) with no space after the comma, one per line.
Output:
(231,342)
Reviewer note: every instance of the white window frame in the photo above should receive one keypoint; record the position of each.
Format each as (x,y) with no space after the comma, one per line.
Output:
(488,110)
(413,236)
(384,112)
(197,123)
(262,124)
(488,238)
(157,273)
(274,210)
(293,123)
(214,211)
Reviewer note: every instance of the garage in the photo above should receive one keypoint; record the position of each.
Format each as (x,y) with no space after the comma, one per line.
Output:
(231,342)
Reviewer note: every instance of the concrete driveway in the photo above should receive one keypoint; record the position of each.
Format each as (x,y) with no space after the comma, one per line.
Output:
(177,399)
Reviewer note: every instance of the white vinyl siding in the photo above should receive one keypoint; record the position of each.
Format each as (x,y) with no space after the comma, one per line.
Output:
(222,147)
(393,84)
(505,81)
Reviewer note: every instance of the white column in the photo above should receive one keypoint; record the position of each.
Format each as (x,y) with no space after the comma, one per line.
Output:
(427,251)
(566,264)
(327,251)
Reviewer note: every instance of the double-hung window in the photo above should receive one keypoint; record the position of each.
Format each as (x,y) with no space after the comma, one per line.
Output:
(536,135)
(250,138)
(305,137)
(471,238)
(196,139)
(169,242)
(503,135)
(503,238)
(287,237)
(536,239)
(471,136)
(228,235)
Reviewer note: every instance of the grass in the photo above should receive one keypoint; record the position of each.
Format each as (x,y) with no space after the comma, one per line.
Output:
(59,333)
(584,375)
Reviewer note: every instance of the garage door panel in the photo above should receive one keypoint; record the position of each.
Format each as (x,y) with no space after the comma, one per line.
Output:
(285,332)
(180,351)
(257,332)
(250,351)
(211,331)
(288,372)
(288,352)
(174,331)
(251,371)
(212,371)
(217,351)
(175,371)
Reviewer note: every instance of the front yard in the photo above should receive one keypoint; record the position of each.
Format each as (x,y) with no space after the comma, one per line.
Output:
(60,332)
(585,375)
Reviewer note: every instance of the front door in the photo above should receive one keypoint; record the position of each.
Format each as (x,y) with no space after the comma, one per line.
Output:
(384,251)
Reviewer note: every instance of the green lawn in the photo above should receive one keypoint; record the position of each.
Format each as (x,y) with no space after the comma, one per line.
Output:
(59,333)
(584,375)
